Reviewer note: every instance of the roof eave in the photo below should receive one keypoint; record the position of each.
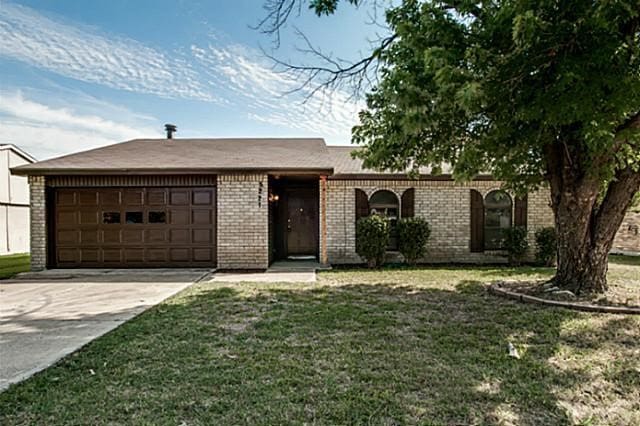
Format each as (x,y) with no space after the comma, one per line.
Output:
(18,151)
(402,176)
(33,171)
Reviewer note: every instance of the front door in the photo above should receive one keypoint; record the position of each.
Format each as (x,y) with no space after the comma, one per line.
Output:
(302,222)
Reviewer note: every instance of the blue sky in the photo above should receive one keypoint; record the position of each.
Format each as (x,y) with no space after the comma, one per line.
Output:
(76,75)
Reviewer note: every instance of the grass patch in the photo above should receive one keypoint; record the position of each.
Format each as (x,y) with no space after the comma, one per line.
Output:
(619,259)
(13,264)
(396,346)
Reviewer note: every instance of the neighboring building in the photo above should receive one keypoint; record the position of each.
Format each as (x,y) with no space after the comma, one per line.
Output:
(14,201)
(243,203)
(628,237)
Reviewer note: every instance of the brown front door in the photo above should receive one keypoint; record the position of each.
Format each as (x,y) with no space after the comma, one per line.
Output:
(134,227)
(302,222)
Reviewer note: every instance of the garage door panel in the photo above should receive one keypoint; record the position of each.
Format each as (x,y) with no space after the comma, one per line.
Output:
(203,254)
(133,236)
(66,198)
(88,217)
(157,197)
(112,236)
(179,217)
(134,255)
(134,197)
(68,255)
(89,236)
(67,218)
(88,197)
(156,255)
(155,236)
(110,197)
(202,197)
(201,217)
(134,227)
(112,255)
(179,255)
(179,236)
(90,255)
(201,236)
(68,237)
(179,197)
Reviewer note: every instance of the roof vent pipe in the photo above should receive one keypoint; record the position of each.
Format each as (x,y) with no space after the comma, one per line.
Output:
(171,129)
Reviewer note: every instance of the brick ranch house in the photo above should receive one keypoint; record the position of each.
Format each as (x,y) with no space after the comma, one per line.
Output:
(244,203)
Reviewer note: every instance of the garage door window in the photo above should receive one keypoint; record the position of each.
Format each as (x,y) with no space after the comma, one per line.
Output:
(157,217)
(133,217)
(110,217)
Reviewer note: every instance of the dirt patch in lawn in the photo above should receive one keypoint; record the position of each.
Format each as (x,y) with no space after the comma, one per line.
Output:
(621,293)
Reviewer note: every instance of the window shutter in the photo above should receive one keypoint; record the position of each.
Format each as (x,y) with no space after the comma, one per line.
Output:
(408,202)
(362,204)
(477,222)
(520,216)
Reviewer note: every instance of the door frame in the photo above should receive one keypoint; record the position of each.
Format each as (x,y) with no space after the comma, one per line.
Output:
(284,189)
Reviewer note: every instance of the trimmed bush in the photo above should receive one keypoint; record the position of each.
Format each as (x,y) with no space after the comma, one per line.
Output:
(413,234)
(516,244)
(372,238)
(546,246)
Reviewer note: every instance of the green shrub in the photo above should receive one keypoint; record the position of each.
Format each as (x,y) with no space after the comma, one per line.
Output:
(372,238)
(516,244)
(546,246)
(413,234)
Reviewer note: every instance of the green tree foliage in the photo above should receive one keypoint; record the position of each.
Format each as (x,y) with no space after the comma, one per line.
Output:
(541,93)
(413,234)
(372,239)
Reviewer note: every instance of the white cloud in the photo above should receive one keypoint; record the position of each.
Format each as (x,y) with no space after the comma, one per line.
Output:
(231,75)
(81,54)
(43,141)
(249,81)
(22,109)
(44,131)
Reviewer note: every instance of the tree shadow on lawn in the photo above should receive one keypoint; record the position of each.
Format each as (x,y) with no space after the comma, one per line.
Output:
(324,354)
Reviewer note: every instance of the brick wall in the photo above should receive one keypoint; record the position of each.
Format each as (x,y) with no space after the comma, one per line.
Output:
(628,236)
(38,223)
(445,204)
(243,236)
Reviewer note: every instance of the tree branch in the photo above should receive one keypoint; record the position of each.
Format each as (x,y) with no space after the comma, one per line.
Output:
(334,73)
(631,123)
(278,12)
(617,200)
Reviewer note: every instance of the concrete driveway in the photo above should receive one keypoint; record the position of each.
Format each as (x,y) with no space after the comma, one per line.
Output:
(47,316)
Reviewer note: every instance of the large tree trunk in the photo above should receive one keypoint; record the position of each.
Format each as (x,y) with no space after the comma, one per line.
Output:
(580,268)
(586,223)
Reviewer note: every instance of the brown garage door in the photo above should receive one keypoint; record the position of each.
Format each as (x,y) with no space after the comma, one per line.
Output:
(135,227)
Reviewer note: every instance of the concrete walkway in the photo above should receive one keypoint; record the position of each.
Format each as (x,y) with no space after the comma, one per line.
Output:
(297,271)
(51,314)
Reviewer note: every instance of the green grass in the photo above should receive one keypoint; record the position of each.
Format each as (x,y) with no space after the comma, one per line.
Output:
(13,264)
(624,260)
(397,346)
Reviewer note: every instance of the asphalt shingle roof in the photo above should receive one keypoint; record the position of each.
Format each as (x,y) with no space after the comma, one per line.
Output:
(345,164)
(193,154)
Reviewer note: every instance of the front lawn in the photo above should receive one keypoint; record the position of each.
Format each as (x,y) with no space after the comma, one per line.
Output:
(12,264)
(398,346)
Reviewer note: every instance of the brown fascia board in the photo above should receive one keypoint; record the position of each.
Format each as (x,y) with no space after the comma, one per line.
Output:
(190,171)
(401,176)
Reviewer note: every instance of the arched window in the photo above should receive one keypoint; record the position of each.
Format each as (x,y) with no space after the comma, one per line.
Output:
(497,217)
(385,203)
